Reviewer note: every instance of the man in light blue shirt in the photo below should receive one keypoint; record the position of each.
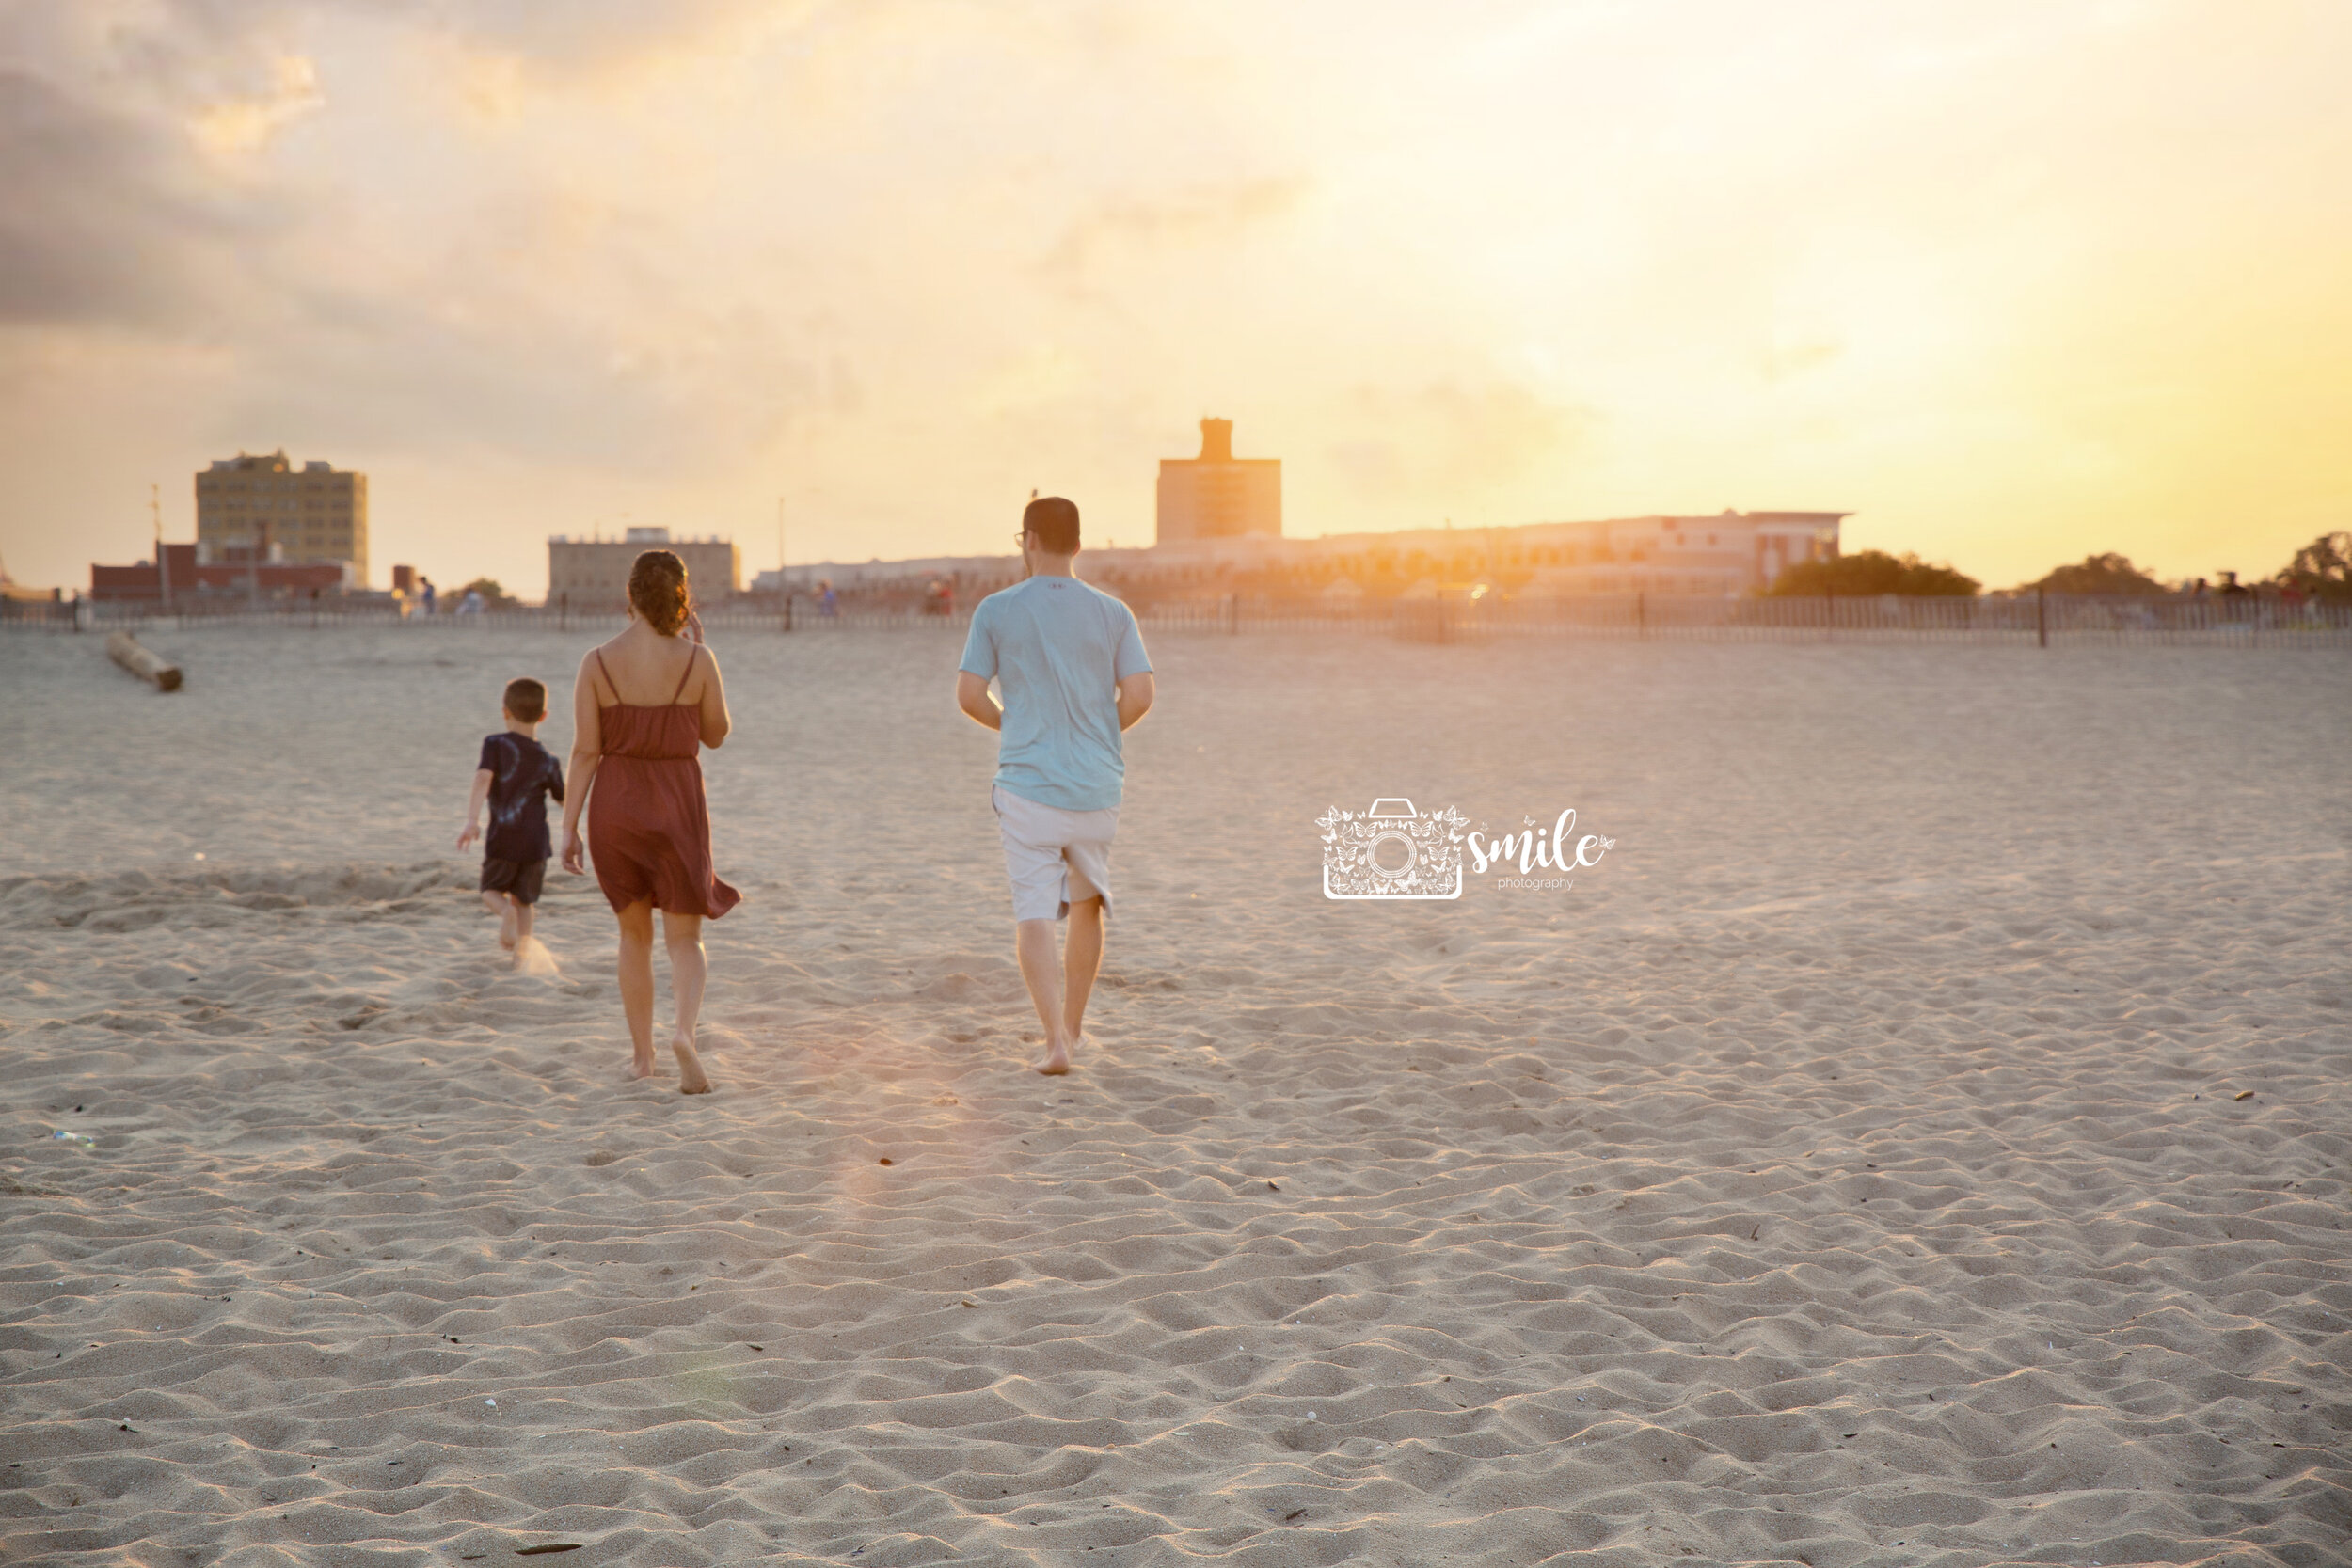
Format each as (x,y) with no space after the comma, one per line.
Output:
(1069,662)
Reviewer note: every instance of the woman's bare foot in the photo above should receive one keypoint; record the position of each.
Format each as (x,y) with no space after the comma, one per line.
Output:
(640,1065)
(1056,1060)
(690,1067)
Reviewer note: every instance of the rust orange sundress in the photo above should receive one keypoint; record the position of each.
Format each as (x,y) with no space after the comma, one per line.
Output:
(648,821)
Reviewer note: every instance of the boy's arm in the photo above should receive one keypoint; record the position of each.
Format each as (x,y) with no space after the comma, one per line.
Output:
(482,778)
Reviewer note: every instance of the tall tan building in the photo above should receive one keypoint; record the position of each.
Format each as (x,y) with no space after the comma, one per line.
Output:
(592,574)
(258,509)
(1219,496)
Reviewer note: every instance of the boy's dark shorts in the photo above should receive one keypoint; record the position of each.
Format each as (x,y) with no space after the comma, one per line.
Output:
(521,878)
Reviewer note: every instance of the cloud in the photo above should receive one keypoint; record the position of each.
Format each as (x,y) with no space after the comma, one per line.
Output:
(70,231)
(114,217)
(920,252)
(593,35)
(414,376)
(397,302)
(245,125)
(1204,216)
(107,220)
(1790,355)
(1443,441)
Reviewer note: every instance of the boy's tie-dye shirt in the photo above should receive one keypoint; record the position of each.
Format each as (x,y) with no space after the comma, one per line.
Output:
(522,775)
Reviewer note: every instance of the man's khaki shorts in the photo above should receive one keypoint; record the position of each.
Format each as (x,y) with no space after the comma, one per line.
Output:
(1054,857)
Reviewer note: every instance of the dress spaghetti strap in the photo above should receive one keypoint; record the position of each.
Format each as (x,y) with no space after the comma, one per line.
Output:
(690,657)
(597,653)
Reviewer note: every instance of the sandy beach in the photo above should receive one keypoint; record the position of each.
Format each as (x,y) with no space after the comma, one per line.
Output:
(1923,1139)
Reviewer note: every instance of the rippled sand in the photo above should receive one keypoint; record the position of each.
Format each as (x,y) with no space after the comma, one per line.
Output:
(1922,1140)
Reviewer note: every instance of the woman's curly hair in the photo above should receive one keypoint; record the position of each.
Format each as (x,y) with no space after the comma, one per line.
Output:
(656,588)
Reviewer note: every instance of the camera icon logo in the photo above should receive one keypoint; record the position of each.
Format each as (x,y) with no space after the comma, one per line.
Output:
(1391,852)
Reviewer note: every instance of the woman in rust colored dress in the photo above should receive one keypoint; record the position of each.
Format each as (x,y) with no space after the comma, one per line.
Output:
(642,707)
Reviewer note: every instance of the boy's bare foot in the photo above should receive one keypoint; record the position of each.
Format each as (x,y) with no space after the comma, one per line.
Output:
(506,928)
(1056,1060)
(690,1079)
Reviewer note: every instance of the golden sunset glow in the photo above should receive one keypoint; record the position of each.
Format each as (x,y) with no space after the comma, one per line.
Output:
(2011,283)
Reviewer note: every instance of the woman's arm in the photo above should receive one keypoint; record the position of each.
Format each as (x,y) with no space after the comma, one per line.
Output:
(587,750)
(717,721)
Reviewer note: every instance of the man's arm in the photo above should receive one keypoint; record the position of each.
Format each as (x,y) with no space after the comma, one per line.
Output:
(1134,698)
(972,696)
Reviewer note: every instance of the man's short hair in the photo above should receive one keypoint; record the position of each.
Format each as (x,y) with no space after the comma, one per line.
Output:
(527,700)
(1055,522)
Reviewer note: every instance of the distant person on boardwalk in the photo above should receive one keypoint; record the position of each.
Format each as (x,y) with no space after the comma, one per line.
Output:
(827,606)
(514,779)
(1069,661)
(641,705)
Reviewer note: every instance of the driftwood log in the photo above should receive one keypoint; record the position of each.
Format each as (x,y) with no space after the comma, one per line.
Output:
(146,663)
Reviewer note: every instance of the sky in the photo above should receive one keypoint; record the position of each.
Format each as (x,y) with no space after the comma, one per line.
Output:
(2011,282)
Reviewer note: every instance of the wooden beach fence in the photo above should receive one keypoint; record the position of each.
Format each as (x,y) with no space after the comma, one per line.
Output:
(144,662)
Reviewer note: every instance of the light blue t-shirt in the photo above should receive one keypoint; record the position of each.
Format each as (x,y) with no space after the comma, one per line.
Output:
(1058,650)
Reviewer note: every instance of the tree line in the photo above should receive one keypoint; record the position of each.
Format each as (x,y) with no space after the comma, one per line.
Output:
(2321,570)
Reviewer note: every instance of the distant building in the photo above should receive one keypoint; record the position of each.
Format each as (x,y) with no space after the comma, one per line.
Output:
(262,511)
(1219,496)
(592,574)
(180,573)
(13,591)
(897,584)
(1729,553)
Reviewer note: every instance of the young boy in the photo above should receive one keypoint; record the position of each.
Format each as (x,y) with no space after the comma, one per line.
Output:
(516,775)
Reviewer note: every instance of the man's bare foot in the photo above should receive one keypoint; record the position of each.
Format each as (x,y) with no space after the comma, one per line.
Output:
(1056,1060)
(690,1067)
